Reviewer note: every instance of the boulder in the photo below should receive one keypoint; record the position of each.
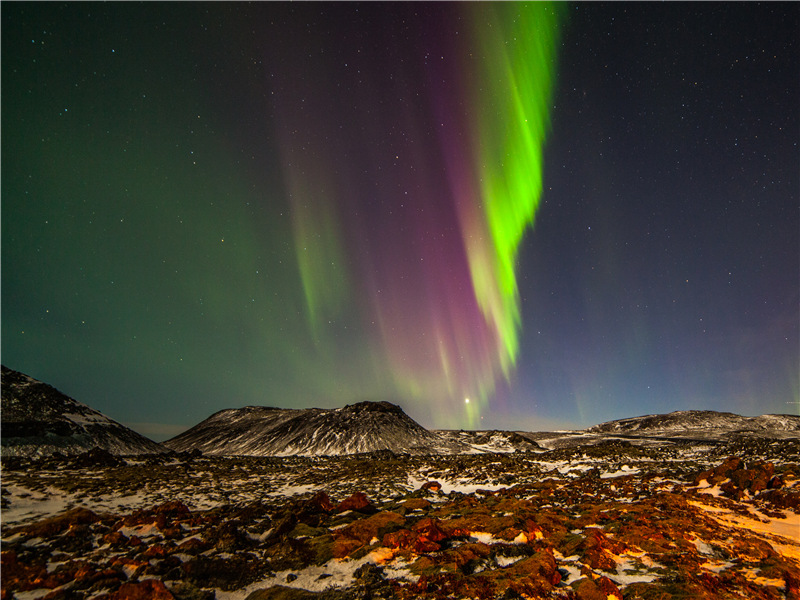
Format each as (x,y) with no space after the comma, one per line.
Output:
(149,589)
(357,502)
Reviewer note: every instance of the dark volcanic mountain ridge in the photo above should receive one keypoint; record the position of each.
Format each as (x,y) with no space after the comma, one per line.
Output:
(38,420)
(375,426)
(352,429)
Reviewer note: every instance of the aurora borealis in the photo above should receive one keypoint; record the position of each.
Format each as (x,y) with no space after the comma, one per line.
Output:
(565,213)
(432,247)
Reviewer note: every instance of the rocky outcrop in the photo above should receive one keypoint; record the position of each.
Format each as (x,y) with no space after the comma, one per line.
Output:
(738,482)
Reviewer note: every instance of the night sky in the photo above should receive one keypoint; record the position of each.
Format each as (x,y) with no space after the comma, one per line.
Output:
(495,215)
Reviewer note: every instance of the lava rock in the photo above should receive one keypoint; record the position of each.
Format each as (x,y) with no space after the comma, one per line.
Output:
(357,502)
(183,590)
(149,589)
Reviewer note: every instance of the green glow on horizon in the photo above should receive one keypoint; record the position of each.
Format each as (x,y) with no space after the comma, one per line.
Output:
(518,72)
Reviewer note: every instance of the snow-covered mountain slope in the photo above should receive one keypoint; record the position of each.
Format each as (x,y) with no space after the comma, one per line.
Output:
(493,441)
(38,420)
(699,421)
(355,428)
(375,426)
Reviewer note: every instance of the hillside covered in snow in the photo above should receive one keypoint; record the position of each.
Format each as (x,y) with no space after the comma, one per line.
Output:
(352,429)
(38,420)
(700,421)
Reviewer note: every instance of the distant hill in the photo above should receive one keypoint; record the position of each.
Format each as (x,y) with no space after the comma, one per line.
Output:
(686,421)
(355,428)
(492,441)
(38,420)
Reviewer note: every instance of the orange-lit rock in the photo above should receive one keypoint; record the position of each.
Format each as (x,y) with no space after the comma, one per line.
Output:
(373,526)
(608,588)
(60,523)
(416,504)
(506,544)
(431,529)
(150,589)
(342,547)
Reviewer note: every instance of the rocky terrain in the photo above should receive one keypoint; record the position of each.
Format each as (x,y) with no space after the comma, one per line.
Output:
(610,520)
(38,420)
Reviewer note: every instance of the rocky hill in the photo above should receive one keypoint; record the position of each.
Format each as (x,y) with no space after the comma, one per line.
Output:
(352,429)
(376,426)
(492,441)
(38,420)
(700,421)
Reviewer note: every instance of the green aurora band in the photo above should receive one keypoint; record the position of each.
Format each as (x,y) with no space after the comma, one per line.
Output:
(511,95)
(519,44)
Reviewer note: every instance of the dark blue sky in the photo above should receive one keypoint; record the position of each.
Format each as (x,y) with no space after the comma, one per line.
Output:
(663,272)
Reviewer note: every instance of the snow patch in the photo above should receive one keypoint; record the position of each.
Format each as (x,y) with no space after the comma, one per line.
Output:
(781,534)
(623,470)
(335,573)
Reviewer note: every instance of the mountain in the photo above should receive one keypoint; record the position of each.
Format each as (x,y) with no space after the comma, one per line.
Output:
(700,421)
(375,426)
(355,428)
(38,420)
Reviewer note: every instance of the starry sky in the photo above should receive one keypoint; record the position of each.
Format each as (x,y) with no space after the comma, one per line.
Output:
(497,215)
